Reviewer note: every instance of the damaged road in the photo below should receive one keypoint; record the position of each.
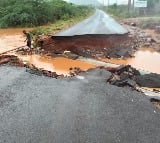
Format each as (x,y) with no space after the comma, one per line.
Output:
(79,109)
(127,75)
(122,76)
(83,107)
(99,35)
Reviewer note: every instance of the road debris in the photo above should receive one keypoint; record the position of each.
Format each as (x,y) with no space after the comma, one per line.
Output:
(38,71)
(129,76)
(155,102)
(151,80)
(70,55)
(12,60)
(123,76)
(75,71)
(34,70)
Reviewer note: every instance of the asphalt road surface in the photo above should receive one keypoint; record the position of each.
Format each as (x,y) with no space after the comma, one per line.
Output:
(99,23)
(82,109)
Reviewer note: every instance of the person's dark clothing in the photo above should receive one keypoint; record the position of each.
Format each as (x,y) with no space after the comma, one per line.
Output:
(29,39)
(29,43)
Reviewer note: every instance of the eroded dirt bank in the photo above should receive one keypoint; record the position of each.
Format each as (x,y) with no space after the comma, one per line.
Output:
(90,45)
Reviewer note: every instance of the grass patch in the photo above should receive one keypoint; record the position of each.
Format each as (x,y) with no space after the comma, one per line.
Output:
(150,22)
(119,11)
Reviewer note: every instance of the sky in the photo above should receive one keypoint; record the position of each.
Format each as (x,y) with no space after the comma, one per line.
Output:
(112,1)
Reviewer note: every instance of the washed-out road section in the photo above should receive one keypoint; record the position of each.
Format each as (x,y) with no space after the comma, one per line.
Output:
(81,109)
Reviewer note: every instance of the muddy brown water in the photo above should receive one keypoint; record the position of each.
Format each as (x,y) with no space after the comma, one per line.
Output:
(12,38)
(145,59)
(60,65)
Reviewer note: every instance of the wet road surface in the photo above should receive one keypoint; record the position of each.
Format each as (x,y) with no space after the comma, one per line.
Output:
(99,23)
(82,109)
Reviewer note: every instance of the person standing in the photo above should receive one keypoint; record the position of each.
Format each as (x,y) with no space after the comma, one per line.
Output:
(28,38)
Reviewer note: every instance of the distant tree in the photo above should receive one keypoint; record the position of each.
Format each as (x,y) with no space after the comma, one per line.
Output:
(129,5)
(151,4)
(36,12)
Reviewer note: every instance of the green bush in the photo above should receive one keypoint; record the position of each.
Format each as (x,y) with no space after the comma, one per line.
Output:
(121,11)
(17,13)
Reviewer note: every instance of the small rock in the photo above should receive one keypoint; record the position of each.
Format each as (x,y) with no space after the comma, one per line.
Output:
(151,40)
(133,24)
(147,44)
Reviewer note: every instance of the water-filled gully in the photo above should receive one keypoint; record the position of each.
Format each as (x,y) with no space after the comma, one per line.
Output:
(60,65)
(146,58)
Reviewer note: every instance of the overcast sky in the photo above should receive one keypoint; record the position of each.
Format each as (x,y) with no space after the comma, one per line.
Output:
(112,1)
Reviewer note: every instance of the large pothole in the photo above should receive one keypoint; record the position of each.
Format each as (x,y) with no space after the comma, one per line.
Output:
(45,65)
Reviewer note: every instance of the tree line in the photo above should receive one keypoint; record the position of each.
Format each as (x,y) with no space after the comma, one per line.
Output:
(126,11)
(20,13)
(150,4)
